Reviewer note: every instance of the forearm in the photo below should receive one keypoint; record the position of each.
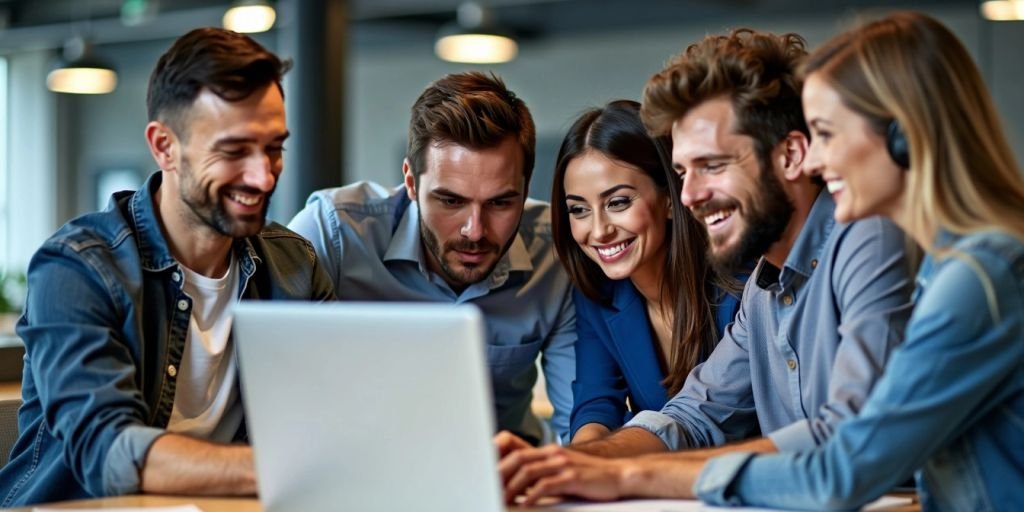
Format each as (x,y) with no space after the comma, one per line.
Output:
(590,432)
(660,476)
(627,442)
(758,445)
(178,464)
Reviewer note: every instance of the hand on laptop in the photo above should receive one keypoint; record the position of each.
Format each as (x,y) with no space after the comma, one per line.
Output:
(555,471)
(507,442)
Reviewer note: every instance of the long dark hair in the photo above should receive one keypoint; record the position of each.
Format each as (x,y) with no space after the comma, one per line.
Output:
(688,284)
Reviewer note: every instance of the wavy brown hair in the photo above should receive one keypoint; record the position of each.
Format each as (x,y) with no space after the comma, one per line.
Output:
(471,109)
(688,287)
(757,71)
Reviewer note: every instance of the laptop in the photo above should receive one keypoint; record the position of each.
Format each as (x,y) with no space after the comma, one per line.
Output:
(368,406)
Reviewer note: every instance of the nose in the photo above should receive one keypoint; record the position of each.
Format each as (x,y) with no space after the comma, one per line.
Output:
(473,226)
(693,191)
(603,231)
(261,174)
(814,164)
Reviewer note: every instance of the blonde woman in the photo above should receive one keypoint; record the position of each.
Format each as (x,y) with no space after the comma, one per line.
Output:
(903,126)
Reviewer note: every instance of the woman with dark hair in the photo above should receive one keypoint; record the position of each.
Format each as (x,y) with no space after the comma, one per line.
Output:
(648,306)
(903,126)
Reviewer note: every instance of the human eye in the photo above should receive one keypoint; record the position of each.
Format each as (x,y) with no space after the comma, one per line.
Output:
(501,204)
(822,135)
(578,210)
(275,150)
(234,152)
(450,201)
(619,203)
(714,167)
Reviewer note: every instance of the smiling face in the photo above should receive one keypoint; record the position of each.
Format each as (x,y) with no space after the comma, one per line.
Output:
(743,206)
(849,156)
(617,215)
(230,159)
(470,203)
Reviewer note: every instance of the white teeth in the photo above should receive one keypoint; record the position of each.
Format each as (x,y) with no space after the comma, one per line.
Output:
(246,200)
(717,216)
(835,186)
(608,252)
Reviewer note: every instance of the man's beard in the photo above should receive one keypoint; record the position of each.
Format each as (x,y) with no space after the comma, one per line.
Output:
(471,273)
(210,210)
(766,219)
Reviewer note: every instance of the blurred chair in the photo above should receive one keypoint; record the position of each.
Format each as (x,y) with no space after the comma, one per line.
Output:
(8,427)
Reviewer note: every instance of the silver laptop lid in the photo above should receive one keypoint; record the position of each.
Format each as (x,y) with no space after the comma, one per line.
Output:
(368,406)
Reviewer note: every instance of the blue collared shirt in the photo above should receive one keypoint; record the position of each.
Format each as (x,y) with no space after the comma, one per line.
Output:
(105,324)
(368,238)
(807,345)
(951,403)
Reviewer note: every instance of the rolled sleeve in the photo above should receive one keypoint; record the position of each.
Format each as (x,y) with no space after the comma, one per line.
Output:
(126,457)
(662,425)
(717,477)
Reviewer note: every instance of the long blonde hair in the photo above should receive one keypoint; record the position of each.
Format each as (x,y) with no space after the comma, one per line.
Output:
(910,68)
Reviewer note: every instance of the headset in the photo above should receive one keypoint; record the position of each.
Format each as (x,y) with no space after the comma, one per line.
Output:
(896,144)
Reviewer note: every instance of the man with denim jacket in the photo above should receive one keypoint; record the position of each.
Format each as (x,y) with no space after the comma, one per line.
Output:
(130,380)
(461,230)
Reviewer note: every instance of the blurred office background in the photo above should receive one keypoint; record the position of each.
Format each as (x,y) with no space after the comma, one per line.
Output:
(359,65)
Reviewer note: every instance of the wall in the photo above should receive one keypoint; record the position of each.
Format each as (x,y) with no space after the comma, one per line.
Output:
(556,76)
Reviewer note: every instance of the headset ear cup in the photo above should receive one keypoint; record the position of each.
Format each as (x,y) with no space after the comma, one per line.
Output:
(896,145)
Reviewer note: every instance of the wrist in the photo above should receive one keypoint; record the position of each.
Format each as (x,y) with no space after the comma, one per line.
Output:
(632,477)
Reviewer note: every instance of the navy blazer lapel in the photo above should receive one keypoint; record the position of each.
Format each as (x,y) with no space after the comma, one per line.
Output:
(631,336)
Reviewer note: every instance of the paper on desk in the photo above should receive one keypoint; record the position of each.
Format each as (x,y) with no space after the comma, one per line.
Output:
(175,508)
(690,506)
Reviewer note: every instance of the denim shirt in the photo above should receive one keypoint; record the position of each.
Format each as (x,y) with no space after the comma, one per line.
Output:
(949,406)
(104,327)
(368,238)
(808,343)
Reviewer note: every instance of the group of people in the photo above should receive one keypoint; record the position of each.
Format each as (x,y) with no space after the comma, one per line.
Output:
(722,293)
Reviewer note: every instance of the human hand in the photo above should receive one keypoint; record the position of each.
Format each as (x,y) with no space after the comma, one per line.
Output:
(556,471)
(507,442)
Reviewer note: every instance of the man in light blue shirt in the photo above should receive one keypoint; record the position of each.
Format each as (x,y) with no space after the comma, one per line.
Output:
(461,230)
(820,314)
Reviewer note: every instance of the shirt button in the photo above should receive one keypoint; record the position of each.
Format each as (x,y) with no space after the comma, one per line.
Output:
(175,277)
(172,371)
(814,263)
(182,304)
(791,364)
(787,300)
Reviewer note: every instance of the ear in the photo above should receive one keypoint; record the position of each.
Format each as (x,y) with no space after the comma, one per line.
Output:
(793,154)
(163,145)
(409,179)
(668,207)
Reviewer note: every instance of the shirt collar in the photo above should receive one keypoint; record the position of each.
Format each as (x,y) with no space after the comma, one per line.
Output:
(406,246)
(807,251)
(153,249)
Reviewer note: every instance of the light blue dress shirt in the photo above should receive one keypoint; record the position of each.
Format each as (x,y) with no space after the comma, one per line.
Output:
(807,345)
(950,404)
(368,239)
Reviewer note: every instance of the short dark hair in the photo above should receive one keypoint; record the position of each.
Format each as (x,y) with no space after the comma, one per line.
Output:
(471,109)
(688,287)
(757,71)
(229,64)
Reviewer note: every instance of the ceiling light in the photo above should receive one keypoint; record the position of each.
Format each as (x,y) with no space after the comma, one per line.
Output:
(250,16)
(475,39)
(1003,10)
(81,72)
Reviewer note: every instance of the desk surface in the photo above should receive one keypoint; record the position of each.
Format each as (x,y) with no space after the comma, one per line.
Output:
(251,504)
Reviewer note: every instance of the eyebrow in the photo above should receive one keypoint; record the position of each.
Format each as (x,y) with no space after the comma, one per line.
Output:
(604,194)
(226,141)
(511,194)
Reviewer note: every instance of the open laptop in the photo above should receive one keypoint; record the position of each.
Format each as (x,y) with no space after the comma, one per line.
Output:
(368,406)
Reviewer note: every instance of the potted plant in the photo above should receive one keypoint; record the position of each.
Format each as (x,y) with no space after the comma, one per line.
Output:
(12,298)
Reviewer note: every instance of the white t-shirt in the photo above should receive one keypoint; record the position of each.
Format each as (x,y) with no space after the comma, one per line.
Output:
(206,402)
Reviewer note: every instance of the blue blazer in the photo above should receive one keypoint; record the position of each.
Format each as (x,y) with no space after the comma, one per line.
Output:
(616,357)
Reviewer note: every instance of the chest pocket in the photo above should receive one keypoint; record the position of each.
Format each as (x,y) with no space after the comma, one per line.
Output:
(508,361)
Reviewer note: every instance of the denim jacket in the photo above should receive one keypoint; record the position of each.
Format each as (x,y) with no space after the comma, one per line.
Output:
(104,326)
(949,406)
